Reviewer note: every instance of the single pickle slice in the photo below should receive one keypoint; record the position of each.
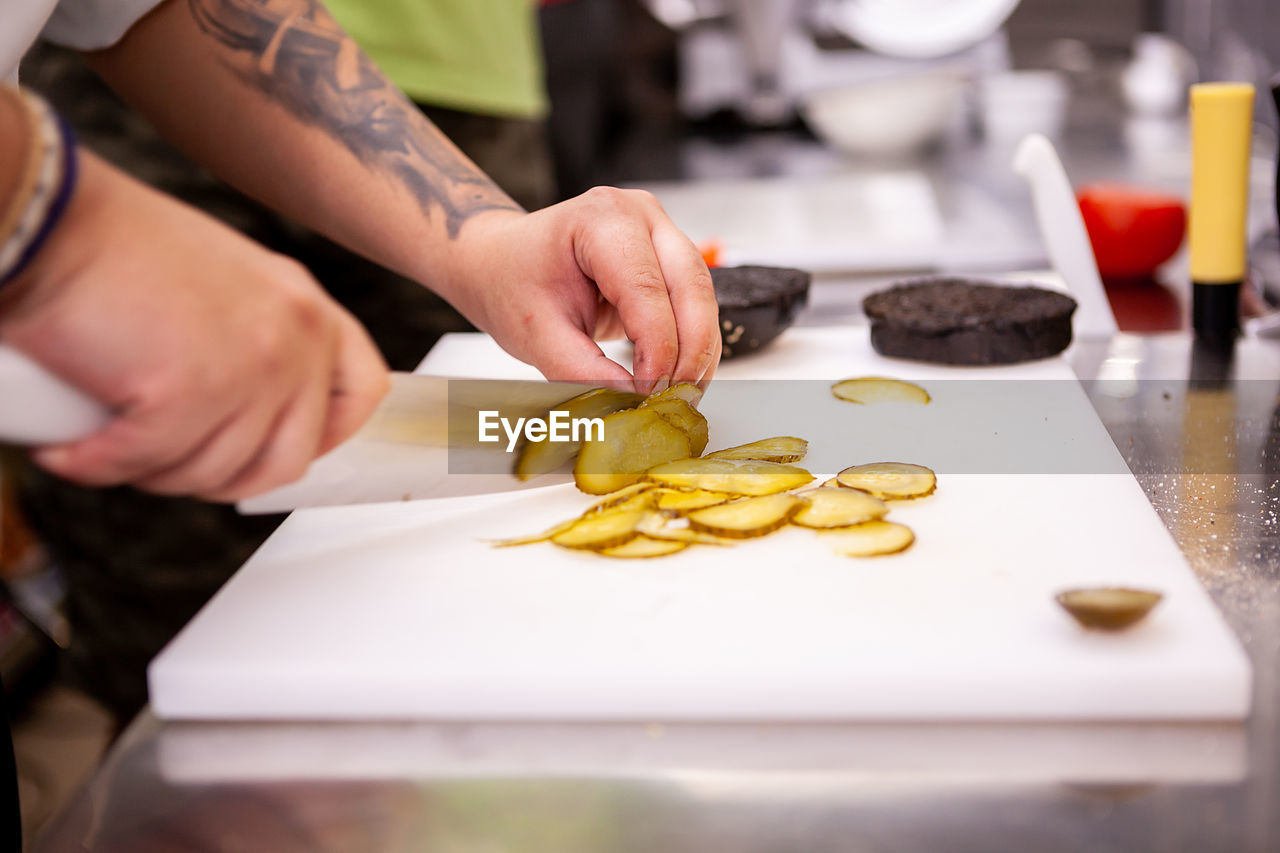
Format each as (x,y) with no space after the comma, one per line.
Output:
(533,537)
(686,391)
(635,496)
(890,480)
(782,448)
(870,539)
(678,501)
(745,477)
(634,440)
(827,508)
(643,547)
(1108,608)
(656,525)
(602,530)
(683,417)
(879,389)
(747,518)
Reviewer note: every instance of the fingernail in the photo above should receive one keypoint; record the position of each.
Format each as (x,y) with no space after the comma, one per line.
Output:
(661,385)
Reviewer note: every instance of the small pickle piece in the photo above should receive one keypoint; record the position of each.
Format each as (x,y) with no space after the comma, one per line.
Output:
(642,547)
(1108,608)
(603,530)
(686,391)
(634,441)
(871,539)
(890,480)
(655,525)
(683,417)
(635,496)
(534,537)
(679,501)
(745,519)
(879,389)
(535,458)
(782,448)
(828,508)
(745,477)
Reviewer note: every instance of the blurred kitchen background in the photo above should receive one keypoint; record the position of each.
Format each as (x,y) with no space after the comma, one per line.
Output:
(863,139)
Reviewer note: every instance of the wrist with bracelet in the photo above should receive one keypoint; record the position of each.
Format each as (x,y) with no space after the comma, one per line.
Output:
(44,185)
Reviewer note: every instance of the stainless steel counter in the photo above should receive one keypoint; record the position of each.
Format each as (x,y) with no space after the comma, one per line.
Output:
(1208,456)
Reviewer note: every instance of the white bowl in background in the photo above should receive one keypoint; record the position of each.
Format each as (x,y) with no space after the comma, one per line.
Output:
(920,29)
(893,116)
(1016,103)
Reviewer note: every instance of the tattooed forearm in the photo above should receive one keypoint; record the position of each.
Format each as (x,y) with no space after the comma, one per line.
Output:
(294,52)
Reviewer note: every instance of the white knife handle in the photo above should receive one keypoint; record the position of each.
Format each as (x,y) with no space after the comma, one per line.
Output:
(1062,227)
(37,407)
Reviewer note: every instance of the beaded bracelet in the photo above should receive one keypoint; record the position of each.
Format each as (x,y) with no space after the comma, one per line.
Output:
(44,188)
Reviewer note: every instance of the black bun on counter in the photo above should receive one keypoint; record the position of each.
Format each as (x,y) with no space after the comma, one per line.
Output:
(965,321)
(757,304)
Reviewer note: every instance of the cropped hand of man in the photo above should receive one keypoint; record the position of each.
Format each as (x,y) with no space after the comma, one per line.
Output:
(227,367)
(608,263)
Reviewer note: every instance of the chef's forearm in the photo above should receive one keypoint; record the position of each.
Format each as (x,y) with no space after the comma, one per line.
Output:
(274,97)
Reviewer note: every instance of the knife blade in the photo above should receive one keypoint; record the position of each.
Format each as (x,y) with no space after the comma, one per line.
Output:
(423,440)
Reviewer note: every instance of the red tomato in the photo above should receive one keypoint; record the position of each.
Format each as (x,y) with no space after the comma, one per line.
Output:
(1133,230)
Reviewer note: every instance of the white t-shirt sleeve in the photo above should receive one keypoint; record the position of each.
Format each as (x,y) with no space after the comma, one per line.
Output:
(94,24)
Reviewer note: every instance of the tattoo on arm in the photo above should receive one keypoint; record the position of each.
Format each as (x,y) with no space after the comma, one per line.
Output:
(294,52)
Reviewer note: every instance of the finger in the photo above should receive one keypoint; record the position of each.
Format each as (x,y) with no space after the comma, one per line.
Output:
(705,381)
(290,445)
(622,262)
(213,462)
(693,301)
(359,382)
(135,444)
(576,357)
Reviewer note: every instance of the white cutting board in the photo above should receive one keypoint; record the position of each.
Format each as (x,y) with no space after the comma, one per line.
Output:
(398,611)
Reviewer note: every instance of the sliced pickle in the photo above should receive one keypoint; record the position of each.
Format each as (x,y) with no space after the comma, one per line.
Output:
(871,539)
(686,391)
(676,500)
(635,496)
(535,458)
(745,519)
(827,508)
(890,480)
(602,530)
(683,417)
(634,441)
(782,448)
(643,547)
(655,525)
(1108,608)
(737,476)
(534,537)
(879,389)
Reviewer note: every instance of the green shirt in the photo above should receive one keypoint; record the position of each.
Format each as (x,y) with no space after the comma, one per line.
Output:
(479,56)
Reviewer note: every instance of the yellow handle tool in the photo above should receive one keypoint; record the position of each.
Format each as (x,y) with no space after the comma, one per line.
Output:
(1221,125)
